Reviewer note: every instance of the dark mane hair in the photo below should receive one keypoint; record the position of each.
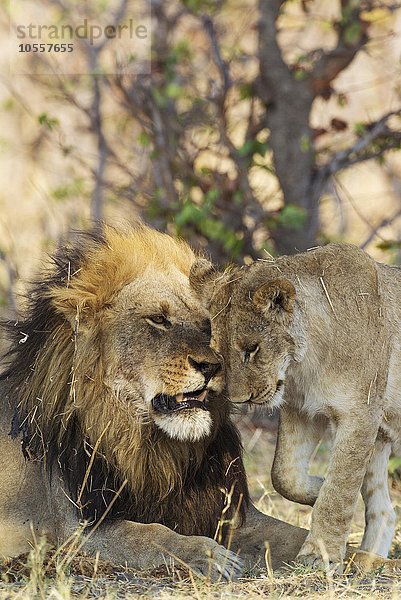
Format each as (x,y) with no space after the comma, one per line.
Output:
(50,383)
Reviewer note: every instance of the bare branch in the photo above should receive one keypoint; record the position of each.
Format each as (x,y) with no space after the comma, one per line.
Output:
(217,58)
(330,64)
(97,128)
(364,148)
(387,221)
(163,172)
(374,229)
(273,69)
(383,223)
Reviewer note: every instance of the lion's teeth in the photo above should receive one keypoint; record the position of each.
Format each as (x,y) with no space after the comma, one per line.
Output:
(179,397)
(202,396)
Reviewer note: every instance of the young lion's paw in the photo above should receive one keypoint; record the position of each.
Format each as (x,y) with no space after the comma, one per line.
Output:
(316,562)
(313,557)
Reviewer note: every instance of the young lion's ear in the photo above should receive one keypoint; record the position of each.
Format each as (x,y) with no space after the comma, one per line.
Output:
(277,295)
(202,273)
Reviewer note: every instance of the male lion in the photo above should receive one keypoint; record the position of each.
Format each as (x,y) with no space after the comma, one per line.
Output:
(110,391)
(319,335)
(111,416)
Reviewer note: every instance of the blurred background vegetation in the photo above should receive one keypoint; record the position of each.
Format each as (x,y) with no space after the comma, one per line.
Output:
(263,127)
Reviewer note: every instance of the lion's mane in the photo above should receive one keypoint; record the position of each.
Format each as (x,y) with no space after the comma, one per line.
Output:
(50,385)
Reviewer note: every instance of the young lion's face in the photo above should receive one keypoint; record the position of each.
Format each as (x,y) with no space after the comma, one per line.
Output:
(251,330)
(156,340)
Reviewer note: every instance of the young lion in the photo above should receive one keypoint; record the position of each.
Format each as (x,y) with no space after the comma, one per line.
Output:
(319,335)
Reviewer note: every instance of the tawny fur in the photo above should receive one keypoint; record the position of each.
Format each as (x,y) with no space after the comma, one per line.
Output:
(76,423)
(318,334)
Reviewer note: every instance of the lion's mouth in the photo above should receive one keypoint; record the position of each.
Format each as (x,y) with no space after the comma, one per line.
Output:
(182,401)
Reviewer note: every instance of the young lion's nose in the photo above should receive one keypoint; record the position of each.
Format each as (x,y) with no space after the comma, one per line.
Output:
(207,369)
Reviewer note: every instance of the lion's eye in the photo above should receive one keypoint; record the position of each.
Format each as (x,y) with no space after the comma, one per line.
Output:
(250,352)
(159,320)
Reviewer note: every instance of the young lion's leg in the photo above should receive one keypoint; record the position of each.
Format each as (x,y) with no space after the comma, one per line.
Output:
(379,513)
(296,441)
(333,511)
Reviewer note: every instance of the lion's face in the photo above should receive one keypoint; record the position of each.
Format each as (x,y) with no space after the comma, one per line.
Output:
(156,343)
(251,329)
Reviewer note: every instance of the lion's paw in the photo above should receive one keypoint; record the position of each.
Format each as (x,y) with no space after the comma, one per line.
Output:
(215,562)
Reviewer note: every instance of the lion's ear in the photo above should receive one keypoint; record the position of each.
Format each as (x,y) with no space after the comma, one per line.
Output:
(202,273)
(276,295)
(74,304)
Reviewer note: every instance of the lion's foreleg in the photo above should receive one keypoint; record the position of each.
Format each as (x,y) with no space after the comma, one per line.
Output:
(146,546)
(297,439)
(335,506)
(140,546)
(379,513)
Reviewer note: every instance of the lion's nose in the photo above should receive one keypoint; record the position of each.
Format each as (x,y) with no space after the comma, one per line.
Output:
(207,369)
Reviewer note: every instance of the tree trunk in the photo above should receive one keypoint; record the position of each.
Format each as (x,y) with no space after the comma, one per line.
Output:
(288,104)
(290,139)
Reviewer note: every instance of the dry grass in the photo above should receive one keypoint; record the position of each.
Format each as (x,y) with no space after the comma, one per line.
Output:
(39,576)
(44,575)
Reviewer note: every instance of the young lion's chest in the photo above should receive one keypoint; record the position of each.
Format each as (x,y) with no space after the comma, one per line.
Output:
(334,394)
(317,394)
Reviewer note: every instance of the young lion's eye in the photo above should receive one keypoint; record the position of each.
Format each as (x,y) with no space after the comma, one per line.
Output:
(158,320)
(250,352)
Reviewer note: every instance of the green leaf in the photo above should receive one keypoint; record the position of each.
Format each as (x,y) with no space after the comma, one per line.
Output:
(300,74)
(360,129)
(251,147)
(200,5)
(348,9)
(352,33)
(245,91)
(216,230)
(393,464)
(174,91)
(305,143)
(205,171)
(70,190)
(194,5)
(342,100)
(260,148)
(389,245)
(160,99)
(292,216)
(212,196)
(246,148)
(143,139)
(181,51)
(189,213)
(47,121)
(237,197)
